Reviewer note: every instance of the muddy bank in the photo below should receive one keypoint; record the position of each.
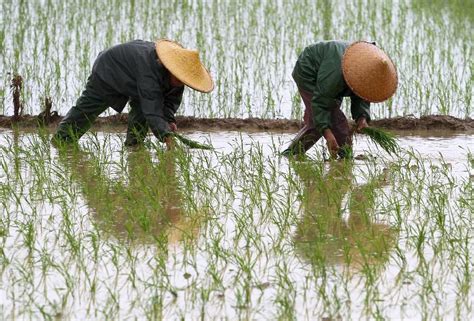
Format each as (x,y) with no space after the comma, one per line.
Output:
(434,122)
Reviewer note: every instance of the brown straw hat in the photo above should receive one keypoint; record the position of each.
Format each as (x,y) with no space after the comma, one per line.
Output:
(369,72)
(185,65)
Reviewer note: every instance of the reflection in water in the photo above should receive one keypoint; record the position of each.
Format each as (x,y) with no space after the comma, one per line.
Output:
(146,206)
(323,235)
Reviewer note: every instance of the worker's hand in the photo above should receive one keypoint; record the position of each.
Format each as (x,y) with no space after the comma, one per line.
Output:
(333,146)
(170,143)
(173,127)
(361,124)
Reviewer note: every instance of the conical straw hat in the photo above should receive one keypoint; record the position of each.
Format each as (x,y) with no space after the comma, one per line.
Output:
(184,64)
(369,72)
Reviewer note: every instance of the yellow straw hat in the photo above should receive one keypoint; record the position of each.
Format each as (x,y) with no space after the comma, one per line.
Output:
(369,72)
(185,65)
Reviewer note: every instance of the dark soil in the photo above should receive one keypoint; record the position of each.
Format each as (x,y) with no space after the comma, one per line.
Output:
(424,123)
(435,122)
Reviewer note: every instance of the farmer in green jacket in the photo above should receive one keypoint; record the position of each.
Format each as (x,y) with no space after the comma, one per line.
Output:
(326,72)
(150,77)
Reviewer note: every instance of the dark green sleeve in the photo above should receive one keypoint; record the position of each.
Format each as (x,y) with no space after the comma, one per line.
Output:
(359,108)
(329,84)
(321,106)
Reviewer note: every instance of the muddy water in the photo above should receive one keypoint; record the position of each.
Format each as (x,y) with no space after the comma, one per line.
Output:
(453,148)
(247,258)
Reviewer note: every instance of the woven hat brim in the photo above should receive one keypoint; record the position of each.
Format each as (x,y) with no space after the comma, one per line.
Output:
(185,65)
(369,72)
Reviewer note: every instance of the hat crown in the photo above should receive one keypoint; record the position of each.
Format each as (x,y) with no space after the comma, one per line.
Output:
(190,54)
(383,63)
(191,57)
(380,66)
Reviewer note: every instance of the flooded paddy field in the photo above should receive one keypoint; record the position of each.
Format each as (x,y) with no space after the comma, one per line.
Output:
(105,232)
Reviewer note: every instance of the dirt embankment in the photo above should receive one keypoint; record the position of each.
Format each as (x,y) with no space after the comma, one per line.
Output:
(435,122)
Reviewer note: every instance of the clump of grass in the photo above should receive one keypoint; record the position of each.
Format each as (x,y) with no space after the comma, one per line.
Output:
(346,152)
(16,86)
(382,138)
(46,116)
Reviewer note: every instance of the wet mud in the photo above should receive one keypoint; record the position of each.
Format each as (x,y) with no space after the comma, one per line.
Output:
(408,123)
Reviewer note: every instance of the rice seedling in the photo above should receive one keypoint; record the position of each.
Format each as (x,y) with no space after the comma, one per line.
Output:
(233,232)
(190,143)
(382,138)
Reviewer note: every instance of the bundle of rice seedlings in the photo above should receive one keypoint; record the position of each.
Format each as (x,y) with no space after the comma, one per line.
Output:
(191,143)
(382,138)
(345,152)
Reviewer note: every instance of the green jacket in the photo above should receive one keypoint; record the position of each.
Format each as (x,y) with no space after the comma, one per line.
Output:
(318,70)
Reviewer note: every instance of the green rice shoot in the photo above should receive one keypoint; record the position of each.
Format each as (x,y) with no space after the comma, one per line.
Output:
(385,140)
(191,143)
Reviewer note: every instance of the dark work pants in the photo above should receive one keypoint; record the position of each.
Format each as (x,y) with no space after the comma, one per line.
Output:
(309,134)
(89,106)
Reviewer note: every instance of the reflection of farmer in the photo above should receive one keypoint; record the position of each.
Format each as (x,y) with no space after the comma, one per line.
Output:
(330,70)
(147,75)
(148,206)
(323,235)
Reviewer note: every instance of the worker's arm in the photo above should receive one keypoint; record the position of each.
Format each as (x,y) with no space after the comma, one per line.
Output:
(172,101)
(321,107)
(361,124)
(152,104)
(329,85)
(360,110)
(159,125)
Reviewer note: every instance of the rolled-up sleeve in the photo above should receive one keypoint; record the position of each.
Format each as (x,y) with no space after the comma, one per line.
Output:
(360,108)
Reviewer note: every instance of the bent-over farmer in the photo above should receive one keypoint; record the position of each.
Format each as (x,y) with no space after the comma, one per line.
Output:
(150,77)
(326,72)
